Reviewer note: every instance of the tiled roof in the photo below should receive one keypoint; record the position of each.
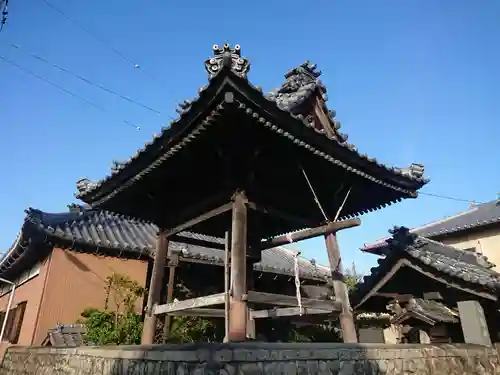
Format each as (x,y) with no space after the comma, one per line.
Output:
(300,84)
(478,216)
(65,336)
(428,310)
(465,265)
(106,230)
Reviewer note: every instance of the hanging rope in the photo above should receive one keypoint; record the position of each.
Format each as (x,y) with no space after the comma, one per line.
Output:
(342,205)
(297,282)
(314,194)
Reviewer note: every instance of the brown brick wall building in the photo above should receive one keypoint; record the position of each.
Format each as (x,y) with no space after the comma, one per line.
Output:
(68,282)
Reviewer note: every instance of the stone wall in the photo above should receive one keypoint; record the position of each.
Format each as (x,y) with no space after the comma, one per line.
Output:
(253,359)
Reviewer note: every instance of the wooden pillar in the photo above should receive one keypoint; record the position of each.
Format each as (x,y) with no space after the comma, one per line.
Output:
(149,329)
(250,326)
(172,266)
(340,289)
(237,305)
(473,323)
(250,333)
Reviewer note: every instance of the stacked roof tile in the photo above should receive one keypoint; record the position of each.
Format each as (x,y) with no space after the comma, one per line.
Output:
(301,84)
(464,265)
(427,310)
(477,216)
(82,227)
(65,336)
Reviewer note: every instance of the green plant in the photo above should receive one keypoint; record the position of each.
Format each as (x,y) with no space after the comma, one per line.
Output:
(107,328)
(190,329)
(117,323)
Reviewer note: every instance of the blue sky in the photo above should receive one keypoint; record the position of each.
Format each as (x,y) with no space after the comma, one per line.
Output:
(411,81)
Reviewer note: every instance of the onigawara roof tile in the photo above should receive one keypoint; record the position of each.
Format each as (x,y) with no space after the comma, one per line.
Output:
(467,266)
(477,216)
(300,85)
(87,228)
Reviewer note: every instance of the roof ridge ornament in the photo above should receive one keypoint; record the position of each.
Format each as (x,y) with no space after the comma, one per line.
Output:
(305,76)
(228,57)
(84,184)
(305,68)
(401,238)
(415,170)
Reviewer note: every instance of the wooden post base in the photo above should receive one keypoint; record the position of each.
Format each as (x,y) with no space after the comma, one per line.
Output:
(349,335)
(148,330)
(237,321)
(340,289)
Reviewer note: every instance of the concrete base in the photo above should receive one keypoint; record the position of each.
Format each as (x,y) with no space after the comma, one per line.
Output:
(254,358)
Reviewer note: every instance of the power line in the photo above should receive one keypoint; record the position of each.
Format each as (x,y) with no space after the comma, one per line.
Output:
(86,80)
(99,39)
(27,71)
(450,198)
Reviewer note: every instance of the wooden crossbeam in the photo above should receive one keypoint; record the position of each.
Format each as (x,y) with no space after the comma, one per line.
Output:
(211,313)
(396,296)
(191,223)
(310,233)
(271,211)
(214,299)
(286,311)
(196,242)
(283,300)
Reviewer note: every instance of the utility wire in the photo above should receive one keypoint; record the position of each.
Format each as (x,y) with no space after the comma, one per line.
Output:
(450,198)
(86,80)
(29,72)
(99,39)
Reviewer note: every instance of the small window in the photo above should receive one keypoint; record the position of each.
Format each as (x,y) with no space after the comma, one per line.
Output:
(14,322)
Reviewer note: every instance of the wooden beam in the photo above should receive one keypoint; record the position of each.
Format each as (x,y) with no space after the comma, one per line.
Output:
(191,223)
(396,296)
(214,299)
(286,311)
(346,317)
(210,313)
(196,242)
(172,265)
(310,233)
(149,327)
(436,296)
(227,275)
(237,305)
(283,300)
(271,211)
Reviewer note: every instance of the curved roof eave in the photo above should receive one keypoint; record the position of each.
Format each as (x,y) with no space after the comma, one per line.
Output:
(408,180)
(476,217)
(67,230)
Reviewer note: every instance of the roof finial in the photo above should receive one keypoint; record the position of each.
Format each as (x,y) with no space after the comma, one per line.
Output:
(227,57)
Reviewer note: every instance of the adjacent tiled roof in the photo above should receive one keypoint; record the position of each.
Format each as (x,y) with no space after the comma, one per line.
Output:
(107,230)
(65,336)
(464,265)
(483,214)
(294,92)
(428,310)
